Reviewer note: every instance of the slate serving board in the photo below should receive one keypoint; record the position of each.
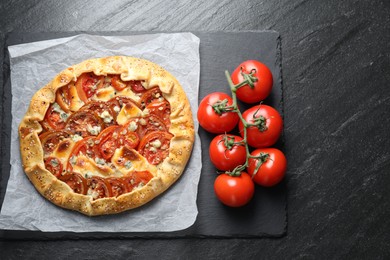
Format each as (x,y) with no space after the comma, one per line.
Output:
(265,215)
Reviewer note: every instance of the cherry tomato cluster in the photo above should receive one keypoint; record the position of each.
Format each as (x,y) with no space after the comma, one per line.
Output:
(249,158)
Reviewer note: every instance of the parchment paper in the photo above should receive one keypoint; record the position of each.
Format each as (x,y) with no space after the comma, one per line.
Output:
(33,65)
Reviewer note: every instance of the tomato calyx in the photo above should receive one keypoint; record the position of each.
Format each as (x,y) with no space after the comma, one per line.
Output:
(249,78)
(229,142)
(261,159)
(260,122)
(221,106)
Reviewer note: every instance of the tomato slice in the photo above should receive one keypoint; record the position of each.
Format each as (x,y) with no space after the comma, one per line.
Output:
(118,102)
(117,83)
(56,118)
(127,138)
(145,125)
(84,123)
(86,146)
(51,139)
(98,187)
(107,143)
(136,86)
(76,182)
(53,165)
(113,137)
(118,186)
(155,146)
(87,84)
(63,97)
(150,95)
(102,110)
(162,109)
(134,179)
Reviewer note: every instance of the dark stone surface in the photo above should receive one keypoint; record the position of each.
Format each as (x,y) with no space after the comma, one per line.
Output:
(265,215)
(336,64)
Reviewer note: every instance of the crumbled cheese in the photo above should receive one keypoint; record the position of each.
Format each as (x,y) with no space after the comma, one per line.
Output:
(156,143)
(54,162)
(146,112)
(153,149)
(107,118)
(63,114)
(76,138)
(73,160)
(132,126)
(128,165)
(88,175)
(117,109)
(94,87)
(94,130)
(100,161)
(93,193)
(142,121)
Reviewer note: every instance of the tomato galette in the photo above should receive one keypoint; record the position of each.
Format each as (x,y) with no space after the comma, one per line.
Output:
(107,135)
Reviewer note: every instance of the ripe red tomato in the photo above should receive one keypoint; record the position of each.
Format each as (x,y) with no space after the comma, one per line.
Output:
(262,87)
(226,158)
(269,129)
(271,171)
(213,122)
(234,191)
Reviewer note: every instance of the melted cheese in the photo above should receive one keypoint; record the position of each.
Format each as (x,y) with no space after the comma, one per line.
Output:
(75,102)
(126,165)
(107,93)
(87,167)
(127,112)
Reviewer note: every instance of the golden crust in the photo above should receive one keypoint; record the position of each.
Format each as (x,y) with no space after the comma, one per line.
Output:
(168,171)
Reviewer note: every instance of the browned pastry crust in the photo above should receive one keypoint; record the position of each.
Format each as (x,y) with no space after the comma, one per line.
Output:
(165,173)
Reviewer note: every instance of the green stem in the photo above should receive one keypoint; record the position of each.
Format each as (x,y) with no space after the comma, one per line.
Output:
(237,171)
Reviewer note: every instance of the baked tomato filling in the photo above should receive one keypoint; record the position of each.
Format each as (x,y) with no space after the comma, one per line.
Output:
(72,139)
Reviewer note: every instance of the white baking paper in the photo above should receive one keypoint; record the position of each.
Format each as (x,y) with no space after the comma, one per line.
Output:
(33,65)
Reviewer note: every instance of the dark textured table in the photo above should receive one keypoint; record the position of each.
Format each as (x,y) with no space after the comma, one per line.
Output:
(336,77)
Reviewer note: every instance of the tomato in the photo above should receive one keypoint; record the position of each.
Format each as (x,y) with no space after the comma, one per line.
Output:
(107,143)
(269,129)
(137,178)
(150,95)
(234,191)
(225,153)
(102,110)
(117,83)
(145,125)
(272,168)
(76,182)
(86,146)
(210,120)
(98,187)
(53,165)
(55,117)
(118,186)
(162,109)
(262,87)
(114,137)
(84,123)
(127,138)
(50,140)
(87,84)
(136,86)
(155,146)
(63,97)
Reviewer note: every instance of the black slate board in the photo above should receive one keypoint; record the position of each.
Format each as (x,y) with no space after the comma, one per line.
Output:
(265,215)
